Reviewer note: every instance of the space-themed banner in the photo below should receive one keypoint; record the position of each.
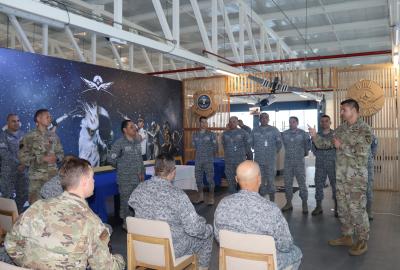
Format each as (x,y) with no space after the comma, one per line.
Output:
(89,102)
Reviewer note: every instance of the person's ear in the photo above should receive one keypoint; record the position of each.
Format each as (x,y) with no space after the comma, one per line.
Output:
(236,179)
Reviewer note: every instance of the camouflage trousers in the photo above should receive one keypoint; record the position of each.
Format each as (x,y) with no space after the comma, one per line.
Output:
(323,169)
(6,186)
(268,173)
(206,167)
(194,245)
(370,187)
(295,170)
(351,185)
(126,186)
(230,173)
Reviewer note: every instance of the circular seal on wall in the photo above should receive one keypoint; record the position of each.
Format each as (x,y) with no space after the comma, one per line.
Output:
(204,104)
(369,95)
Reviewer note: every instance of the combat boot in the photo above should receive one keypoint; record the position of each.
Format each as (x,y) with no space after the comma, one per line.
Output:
(272,197)
(318,209)
(200,197)
(359,248)
(305,207)
(288,206)
(210,197)
(345,240)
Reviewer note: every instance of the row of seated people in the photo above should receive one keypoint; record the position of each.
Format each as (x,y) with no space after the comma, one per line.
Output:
(63,233)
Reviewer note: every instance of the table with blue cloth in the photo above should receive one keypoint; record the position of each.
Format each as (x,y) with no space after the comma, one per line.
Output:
(219,170)
(105,185)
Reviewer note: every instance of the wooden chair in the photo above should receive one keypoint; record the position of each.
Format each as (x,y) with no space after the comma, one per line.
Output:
(179,159)
(149,245)
(6,266)
(149,162)
(246,251)
(8,213)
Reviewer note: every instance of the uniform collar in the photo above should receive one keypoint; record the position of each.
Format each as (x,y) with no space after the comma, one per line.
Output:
(161,180)
(252,193)
(74,197)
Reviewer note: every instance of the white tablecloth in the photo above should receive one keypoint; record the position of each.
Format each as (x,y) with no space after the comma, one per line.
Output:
(184,178)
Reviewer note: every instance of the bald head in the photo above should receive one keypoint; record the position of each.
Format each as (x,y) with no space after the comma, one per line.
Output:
(248,175)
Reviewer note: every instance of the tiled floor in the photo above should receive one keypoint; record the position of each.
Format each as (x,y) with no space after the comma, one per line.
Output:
(312,233)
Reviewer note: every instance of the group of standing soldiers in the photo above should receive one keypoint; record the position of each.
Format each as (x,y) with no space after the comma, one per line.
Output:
(344,155)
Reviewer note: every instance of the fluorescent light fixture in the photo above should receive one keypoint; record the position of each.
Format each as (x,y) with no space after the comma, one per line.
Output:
(225,72)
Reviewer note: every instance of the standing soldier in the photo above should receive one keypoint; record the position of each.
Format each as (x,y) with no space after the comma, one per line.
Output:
(266,142)
(13,135)
(297,144)
(324,166)
(40,150)
(126,156)
(352,141)
(236,143)
(370,189)
(205,144)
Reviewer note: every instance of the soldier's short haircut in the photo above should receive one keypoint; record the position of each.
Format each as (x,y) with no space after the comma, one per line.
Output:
(164,165)
(38,113)
(201,118)
(71,171)
(233,117)
(264,113)
(352,103)
(11,115)
(295,118)
(326,116)
(124,124)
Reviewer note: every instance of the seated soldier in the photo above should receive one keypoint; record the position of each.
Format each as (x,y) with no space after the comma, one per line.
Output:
(63,232)
(248,212)
(158,199)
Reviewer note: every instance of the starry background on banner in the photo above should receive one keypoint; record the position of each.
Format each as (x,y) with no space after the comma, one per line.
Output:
(31,81)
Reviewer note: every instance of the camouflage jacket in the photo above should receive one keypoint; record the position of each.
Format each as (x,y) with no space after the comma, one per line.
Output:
(266,142)
(34,146)
(61,233)
(205,145)
(356,144)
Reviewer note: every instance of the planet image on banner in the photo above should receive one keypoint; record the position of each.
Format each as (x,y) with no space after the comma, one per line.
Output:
(369,95)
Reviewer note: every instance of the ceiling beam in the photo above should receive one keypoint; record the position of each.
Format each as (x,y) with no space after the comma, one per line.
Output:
(46,11)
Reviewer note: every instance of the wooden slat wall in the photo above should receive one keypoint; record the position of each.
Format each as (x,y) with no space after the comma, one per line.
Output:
(384,123)
(217,122)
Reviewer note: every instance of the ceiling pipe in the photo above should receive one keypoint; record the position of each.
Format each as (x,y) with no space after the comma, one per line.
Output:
(270,62)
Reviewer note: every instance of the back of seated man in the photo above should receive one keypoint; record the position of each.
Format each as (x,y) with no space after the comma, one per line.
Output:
(63,232)
(158,199)
(248,212)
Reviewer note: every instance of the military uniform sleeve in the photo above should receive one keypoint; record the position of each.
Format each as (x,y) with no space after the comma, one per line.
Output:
(193,224)
(323,142)
(15,244)
(361,146)
(247,141)
(5,155)
(307,143)
(282,236)
(215,143)
(114,153)
(25,154)
(194,140)
(100,257)
(374,145)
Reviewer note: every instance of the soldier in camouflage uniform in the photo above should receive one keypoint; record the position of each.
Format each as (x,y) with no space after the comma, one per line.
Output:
(324,166)
(17,178)
(205,144)
(158,199)
(63,232)
(248,212)
(266,142)
(5,167)
(370,188)
(39,151)
(297,145)
(236,143)
(126,156)
(352,141)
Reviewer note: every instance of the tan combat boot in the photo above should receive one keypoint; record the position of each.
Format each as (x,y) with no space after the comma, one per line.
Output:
(318,209)
(199,197)
(288,206)
(359,248)
(345,240)
(210,199)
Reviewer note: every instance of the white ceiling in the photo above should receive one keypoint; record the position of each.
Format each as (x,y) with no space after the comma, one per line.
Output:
(325,27)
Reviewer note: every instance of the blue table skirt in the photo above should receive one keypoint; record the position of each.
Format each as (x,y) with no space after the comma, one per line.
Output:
(219,170)
(105,185)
